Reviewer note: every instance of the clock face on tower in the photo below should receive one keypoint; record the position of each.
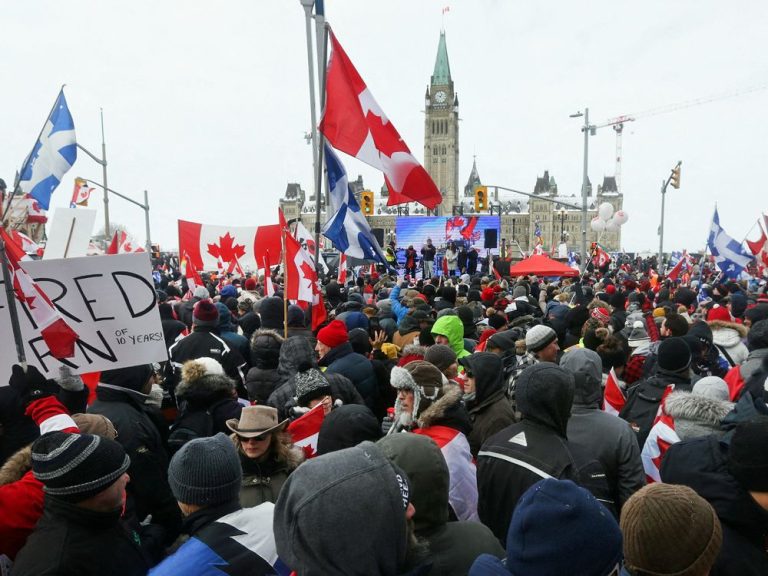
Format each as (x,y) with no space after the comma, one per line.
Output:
(440,97)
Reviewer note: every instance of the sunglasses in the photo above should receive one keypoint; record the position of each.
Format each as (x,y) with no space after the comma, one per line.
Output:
(259,438)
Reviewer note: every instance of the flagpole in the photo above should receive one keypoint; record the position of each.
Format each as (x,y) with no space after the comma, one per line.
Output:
(11,300)
(320,151)
(285,283)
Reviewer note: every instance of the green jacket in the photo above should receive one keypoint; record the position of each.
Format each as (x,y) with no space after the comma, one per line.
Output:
(452,328)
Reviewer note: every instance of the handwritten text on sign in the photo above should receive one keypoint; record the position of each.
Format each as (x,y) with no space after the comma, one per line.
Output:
(109,301)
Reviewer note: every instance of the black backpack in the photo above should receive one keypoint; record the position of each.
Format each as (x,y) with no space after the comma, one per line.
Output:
(192,424)
(642,406)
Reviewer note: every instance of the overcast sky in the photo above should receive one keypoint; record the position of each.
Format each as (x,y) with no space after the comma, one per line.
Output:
(206,103)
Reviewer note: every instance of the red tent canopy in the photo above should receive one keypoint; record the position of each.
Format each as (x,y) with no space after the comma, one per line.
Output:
(541,265)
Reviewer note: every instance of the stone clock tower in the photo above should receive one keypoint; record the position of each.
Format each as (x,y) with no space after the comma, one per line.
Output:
(441,131)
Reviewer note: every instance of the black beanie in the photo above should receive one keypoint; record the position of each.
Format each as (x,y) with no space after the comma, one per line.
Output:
(747,457)
(757,337)
(74,467)
(674,355)
(130,377)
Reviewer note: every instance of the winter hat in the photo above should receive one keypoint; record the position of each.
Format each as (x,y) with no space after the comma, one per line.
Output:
(75,467)
(674,355)
(271,312)
(355,320)
(747,457)
(311,384)
(96,424)
(206,471)
(228,291)
(638,336)
(712,387)
(589,541)
(347,426)
(201,292)
(265,349)
(544,393)
(131,377)
(199,367)
(539,337)
(360,341)
(205,313)
(411,353)
(601,314)
(659,312)
(421,378)
(669,530)
(519,292)
(718,312)
(250,284)
(335,334)
(757,337)
(296,317)
(610,289)
(441,356)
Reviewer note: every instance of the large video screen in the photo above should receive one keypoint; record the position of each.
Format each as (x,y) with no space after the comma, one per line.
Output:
(466,230)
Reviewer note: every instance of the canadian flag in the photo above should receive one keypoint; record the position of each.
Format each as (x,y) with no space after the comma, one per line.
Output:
(190,273)
(122,244)
(685,263)
(307,242)
(25,243)
(301,282)
(305,430)
(207,246)
(599,256)
(57,334)
(80,194)
(342,278)
(660,438)
(269,288)
(613,397)
(355,124)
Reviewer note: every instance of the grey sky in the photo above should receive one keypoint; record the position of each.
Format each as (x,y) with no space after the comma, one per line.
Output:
(206,103)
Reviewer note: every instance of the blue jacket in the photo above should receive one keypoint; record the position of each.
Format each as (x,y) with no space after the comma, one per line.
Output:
(397,308)
(238,543)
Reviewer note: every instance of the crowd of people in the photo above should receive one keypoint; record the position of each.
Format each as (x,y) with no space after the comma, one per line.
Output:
(466,430)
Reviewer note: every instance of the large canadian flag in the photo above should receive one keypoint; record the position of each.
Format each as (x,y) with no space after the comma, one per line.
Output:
(354,123)
(57,334)
(208,245)
(122,244)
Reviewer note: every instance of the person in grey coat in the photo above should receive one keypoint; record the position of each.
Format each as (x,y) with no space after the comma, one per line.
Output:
(610,439)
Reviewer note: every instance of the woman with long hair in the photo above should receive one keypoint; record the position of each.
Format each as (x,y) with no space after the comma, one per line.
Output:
(266,452)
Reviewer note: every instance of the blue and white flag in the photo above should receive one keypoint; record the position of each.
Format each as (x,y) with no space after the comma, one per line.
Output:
(730,256)
(53,155)
(347,228)
(537,230)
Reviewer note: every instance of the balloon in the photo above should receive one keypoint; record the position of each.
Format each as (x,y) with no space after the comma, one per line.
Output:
(620,217)
(612,225)
(605,210)
(597,225)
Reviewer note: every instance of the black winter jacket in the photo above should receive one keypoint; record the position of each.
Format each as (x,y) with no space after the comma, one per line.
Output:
(343,360)
(702,464)
(73,541)
(148,491)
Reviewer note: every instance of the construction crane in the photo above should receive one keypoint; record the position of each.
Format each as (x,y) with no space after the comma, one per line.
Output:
(618,123)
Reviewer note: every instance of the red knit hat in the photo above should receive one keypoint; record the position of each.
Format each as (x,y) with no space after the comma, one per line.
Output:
(335,334)
(205,313)
(487,295)
(610,289)
(718,312)
(601,314)
(250,284)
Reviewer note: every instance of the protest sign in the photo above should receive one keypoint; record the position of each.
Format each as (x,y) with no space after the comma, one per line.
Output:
(109,301)
(70,233)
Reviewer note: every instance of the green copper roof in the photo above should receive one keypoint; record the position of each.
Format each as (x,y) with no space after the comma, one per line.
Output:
(442,73)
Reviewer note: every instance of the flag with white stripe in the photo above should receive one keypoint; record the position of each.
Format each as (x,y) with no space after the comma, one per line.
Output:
(730,256)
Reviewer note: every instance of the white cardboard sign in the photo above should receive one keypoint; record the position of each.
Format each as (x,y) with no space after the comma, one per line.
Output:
(109,301)
(70,233)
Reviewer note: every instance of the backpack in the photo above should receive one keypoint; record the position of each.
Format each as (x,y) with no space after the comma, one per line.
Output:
(192,424)
(642,406)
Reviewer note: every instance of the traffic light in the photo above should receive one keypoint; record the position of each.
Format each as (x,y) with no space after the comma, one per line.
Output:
(481,199)
(366,199)
(675,178)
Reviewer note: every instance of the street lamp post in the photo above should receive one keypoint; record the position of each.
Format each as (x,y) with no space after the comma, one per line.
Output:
(144,207)
(103,162)
(588,130)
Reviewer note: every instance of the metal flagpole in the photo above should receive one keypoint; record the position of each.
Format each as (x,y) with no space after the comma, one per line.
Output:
(104,173)
(321,159)
(11,301)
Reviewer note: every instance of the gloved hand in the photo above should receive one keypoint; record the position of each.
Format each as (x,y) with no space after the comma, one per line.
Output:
(69,380)
(386,424)
(155,397)
(31,385)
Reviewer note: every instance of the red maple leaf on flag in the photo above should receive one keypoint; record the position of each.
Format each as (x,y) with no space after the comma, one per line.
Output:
(307,272)
(387,139)
(226,249)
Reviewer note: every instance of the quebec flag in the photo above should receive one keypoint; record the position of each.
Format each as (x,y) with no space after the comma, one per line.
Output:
(347,228)
(730,256)
(53,155)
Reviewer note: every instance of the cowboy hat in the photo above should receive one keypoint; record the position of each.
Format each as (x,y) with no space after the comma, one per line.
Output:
(256,421)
